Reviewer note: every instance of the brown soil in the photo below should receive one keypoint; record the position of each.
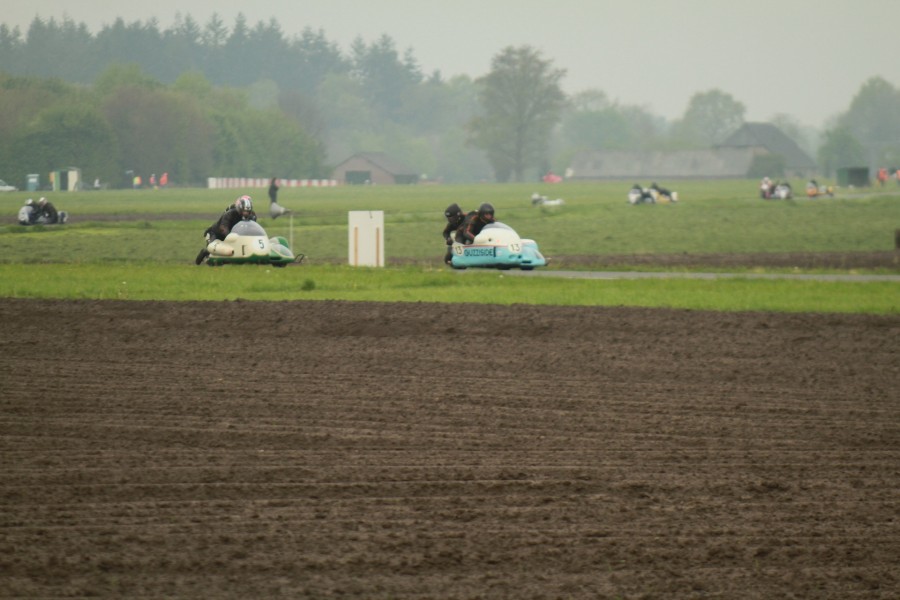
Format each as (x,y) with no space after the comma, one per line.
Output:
(324,449)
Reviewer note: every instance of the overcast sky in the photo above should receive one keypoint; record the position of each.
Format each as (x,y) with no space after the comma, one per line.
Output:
(804,58)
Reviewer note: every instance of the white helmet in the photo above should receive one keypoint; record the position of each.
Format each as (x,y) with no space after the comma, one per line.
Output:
(244,206)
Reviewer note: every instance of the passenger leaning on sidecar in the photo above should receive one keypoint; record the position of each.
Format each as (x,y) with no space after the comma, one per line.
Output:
(28,214)
(241,210)
(455,219)
(475,222)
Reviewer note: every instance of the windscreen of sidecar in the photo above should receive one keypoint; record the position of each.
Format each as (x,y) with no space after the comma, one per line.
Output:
(248,228)
(497,225)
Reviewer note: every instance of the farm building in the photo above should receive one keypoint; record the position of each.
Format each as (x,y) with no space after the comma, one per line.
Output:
(771,139)
(715,163)
(373,168)
(732,159)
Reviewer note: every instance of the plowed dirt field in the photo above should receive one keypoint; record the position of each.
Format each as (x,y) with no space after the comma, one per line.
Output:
(338,449)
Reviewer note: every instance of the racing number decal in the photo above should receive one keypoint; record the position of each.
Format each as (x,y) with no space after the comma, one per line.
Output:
(262,246)
(514,248)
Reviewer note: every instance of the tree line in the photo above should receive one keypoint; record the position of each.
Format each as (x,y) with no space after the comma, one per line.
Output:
(196,100)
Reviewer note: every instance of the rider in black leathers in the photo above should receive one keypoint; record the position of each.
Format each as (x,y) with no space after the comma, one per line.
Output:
(241,210)
(455,219)
(475,222)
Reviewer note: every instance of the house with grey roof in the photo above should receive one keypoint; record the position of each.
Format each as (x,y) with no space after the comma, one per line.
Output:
(732,159)
(767,136)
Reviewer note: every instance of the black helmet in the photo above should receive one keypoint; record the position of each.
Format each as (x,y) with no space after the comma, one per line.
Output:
(453,211)
(486,212)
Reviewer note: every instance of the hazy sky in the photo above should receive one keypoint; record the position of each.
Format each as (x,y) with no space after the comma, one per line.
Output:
(805,58)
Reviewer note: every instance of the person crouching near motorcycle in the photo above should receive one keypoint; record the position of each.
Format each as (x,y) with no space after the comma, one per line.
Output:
(47,213)
(664,193)
(475,222)
(241,210)
(455,219)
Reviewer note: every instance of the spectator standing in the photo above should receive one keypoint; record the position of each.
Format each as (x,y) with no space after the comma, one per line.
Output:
(273,190)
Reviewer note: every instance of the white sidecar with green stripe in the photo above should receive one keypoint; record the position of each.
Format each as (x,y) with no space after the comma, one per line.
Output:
(248,244)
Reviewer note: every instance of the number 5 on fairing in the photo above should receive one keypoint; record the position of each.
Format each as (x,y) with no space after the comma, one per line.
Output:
(248,244)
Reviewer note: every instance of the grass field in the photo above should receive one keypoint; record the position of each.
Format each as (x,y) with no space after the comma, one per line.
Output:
(141,244)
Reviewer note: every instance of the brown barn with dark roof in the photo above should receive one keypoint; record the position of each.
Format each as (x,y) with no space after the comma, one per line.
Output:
(373,168)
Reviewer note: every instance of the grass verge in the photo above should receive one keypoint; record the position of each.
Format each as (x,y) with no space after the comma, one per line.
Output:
(144,281)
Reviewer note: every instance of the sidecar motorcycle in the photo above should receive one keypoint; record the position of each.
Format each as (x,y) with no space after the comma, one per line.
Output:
(498,246)
(248,244)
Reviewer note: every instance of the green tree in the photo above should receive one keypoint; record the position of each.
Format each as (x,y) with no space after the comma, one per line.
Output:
(193,83)
(62,49)
(22,100)
(384,77)
(134,43)
(840,149)
(67,135)
(183,46)
(522,101)
(344,113)
(12,48)
(121,75)
(595,124)
(161,131)
(260,143)
(312,59)
(213,37)
(874,120)
(874,113)
(709,118)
